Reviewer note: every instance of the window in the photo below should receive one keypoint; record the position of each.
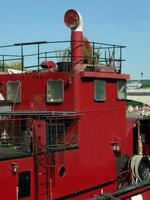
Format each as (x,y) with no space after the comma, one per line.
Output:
(13,91)
(121,89)
(15,138)
(55,136)
(99,90)
(62,134)
(55,91)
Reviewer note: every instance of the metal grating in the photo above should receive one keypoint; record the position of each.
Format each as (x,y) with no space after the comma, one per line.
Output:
(62,134)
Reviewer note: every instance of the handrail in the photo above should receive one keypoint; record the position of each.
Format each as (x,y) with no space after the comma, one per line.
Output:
(102,53)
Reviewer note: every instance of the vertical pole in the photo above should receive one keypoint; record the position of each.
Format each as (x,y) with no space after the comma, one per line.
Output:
(45,56)
(114,55)
(141,76)
(120,59)
(22,58)
(93,55)
(38,56)
(3,63)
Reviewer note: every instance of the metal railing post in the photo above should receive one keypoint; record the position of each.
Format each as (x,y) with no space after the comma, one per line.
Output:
(45,56)
(120,59)
(3,63)
(93,55)
(114,55)
(22,58)
(38,56)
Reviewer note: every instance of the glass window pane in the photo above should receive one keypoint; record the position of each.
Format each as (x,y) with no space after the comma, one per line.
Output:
(13,91)
(121,89)
(15,138)
(55,91)
(99,90)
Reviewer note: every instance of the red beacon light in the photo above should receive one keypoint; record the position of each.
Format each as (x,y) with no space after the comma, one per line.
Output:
(71,18)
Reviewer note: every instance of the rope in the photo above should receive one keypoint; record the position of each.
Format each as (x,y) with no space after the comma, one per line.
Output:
(140,166)
(135,161)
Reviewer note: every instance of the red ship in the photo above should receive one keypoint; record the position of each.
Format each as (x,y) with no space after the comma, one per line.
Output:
(63,127)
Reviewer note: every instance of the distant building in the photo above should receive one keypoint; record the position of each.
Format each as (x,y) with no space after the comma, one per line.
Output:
(134,85)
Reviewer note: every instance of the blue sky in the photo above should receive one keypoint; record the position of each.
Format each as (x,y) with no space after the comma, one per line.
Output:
(125,22)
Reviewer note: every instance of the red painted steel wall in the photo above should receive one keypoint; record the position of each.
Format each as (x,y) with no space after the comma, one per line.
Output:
(9,181)
(94,162)
(100,124)
(33,93)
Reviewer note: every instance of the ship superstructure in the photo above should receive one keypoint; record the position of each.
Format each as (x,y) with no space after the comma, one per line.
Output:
(63,127)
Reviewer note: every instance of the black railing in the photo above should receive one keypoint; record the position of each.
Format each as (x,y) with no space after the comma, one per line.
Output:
(25,56)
